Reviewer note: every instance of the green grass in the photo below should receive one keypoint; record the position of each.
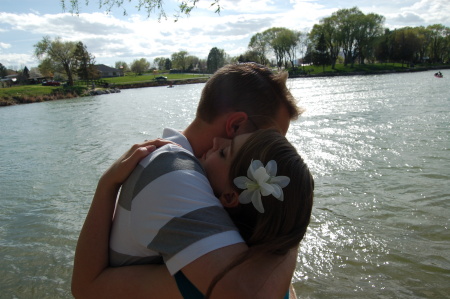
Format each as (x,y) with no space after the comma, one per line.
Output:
(26,90)
(149,77)
(369,68)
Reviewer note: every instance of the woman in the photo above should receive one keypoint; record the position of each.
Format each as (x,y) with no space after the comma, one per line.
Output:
(271,206)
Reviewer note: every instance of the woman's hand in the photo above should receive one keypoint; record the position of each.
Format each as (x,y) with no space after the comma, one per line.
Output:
(120,170)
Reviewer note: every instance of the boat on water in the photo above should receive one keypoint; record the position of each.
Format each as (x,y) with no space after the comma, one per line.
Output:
(438,75)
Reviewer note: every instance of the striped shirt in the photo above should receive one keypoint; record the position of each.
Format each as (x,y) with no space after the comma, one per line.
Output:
(167,211)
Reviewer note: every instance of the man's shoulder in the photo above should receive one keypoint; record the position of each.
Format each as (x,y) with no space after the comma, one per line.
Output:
(173,158)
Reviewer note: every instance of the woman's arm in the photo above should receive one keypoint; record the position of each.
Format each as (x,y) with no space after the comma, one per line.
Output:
(92,276)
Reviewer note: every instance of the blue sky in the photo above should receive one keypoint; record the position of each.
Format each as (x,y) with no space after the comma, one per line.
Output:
(113,37)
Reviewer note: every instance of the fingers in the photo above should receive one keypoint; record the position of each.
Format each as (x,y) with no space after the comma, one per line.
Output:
(158,142)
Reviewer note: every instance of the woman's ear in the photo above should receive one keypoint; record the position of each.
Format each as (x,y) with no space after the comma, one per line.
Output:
(229,199)
(234,122)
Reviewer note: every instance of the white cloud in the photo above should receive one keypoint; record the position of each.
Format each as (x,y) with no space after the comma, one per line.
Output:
(111,38)
(5,45)
(17,61)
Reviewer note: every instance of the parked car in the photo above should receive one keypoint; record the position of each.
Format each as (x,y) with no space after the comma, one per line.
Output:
(161,79)
(51,83)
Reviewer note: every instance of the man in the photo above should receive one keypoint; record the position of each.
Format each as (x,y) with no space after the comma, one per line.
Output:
(237,99)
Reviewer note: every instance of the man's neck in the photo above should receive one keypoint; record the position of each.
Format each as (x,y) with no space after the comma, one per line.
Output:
(200,135)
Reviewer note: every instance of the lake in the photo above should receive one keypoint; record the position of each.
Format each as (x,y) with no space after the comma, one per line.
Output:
(378,147)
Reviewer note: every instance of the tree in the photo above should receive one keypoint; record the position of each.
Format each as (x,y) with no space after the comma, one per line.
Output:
(60,53)
(439,43)
(26,73)
(167,64)
(406,44)
(216,59)
(192,62)
(321,54)
(329,27)
(150,6)
(282,42)
(85,68)
(47,67)
(259,45)
(371,27)
(159,62)
(122,65)
(179,60)
(3,71)
(139,66)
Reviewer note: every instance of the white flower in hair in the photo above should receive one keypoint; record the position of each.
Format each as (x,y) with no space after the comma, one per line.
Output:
(259,181)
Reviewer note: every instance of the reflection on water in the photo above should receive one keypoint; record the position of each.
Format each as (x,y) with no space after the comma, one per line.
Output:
(378,147)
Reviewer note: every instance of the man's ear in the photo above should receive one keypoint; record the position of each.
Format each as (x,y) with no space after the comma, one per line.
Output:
(235,121)
(229,199)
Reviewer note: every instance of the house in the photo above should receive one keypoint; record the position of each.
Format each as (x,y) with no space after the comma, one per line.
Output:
(106,71)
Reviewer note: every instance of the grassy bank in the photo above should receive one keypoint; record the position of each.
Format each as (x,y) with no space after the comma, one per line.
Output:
(362,69)
(36,93)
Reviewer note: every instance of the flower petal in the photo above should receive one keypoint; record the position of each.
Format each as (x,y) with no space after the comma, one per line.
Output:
(246,196)
(253,167)
(241,182)
(266,189)
(277,192)
(256,200)
(271,168)
(281,181)
(261,175)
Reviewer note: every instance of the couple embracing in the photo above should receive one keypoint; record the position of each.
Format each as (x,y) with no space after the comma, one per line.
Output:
(215,211)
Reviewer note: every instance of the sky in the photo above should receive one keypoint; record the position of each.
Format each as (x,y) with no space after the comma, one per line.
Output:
(117,37)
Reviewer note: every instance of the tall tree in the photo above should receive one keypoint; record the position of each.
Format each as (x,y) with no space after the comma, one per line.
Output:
(60,53)
(26,73)
(321,54)
(139,66)
(349,23)
(167,64)
(216,59)
(259,46)
(179,60)
(85,61)
(370,28)
(3,71)
(438,42)
(327,26)
(159,62)
(122,65)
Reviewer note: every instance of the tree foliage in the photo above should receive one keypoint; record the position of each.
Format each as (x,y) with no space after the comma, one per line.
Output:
(151,7)
(139,66)
(159,63)
(3,71)
(179,60)
(168,64)
(216,59)
(349,31)
(122,65)
(85,63)
(58,55)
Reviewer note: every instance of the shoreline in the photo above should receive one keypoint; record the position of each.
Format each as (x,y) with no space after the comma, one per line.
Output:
(19,100)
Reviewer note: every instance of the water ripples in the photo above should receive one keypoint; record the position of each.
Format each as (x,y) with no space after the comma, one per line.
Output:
(378,147)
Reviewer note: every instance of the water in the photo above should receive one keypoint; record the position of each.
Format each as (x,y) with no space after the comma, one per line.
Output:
(378,147)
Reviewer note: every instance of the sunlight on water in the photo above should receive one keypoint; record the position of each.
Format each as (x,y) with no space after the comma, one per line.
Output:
(378,147)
